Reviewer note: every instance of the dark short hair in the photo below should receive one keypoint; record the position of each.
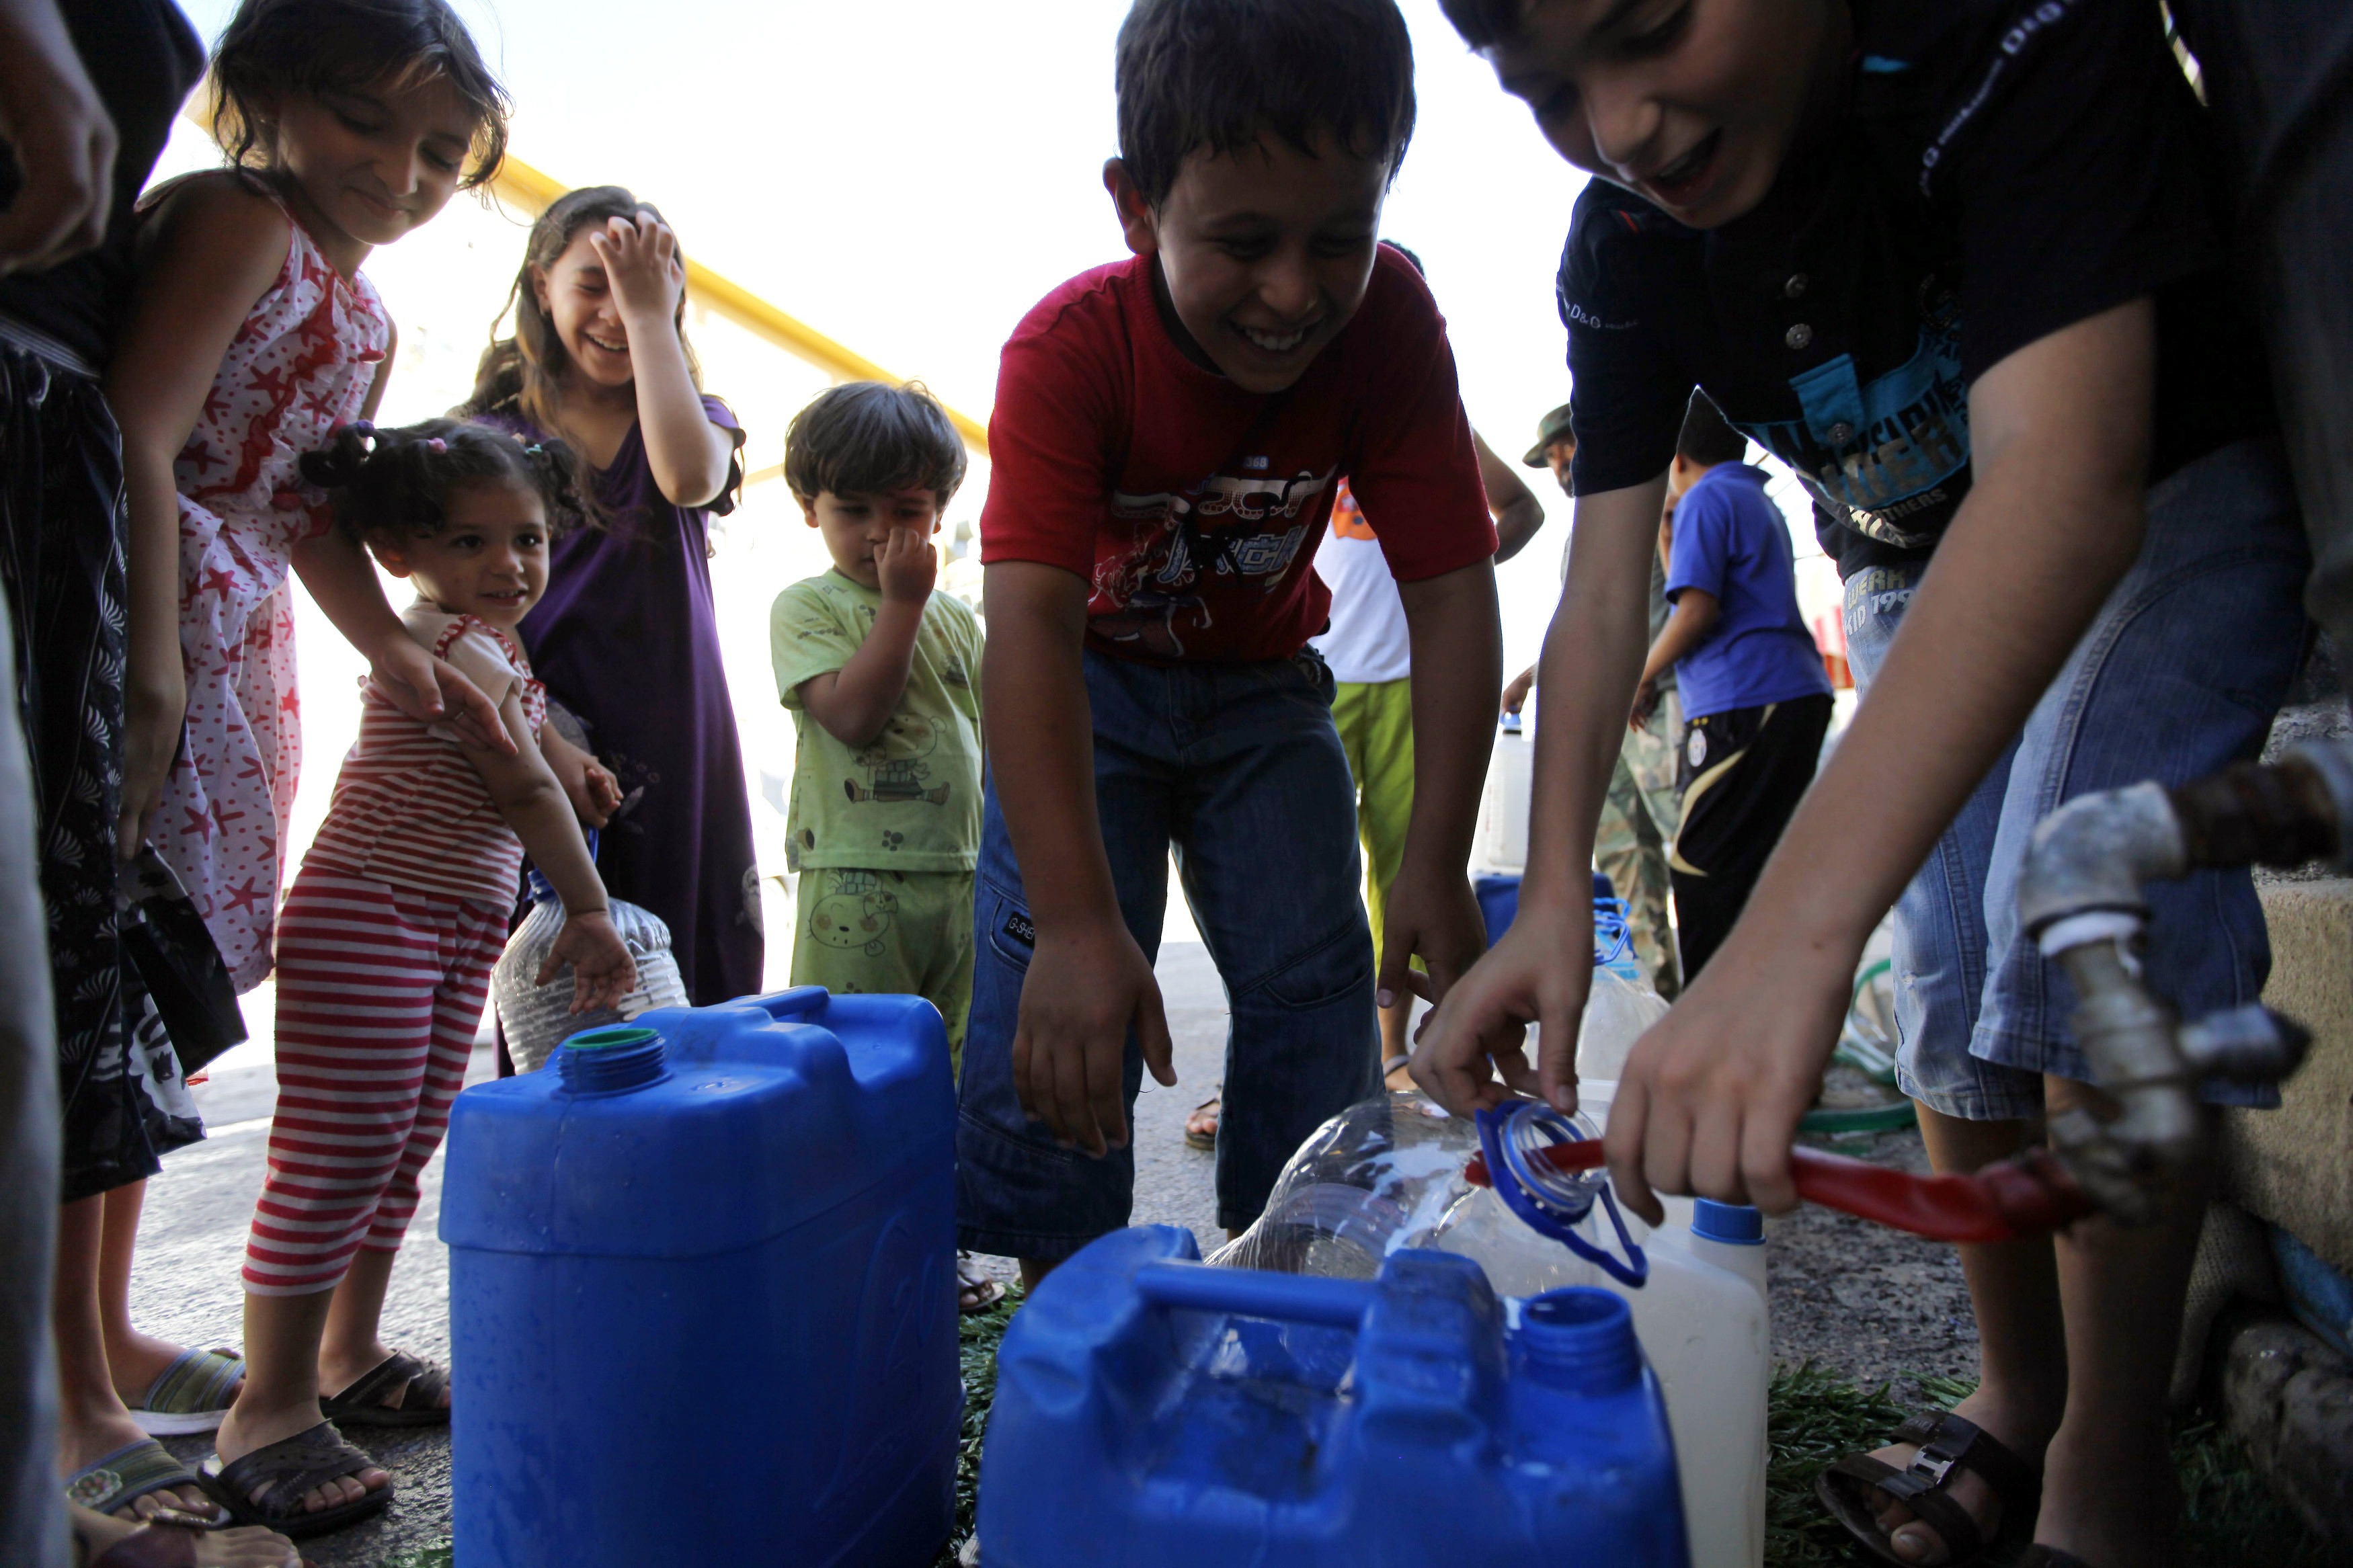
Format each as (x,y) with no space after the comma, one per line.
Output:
(395,484)
(1706,438)
(271,48)
(865,437)
(1414,257)
(1485,22)
(1220,75)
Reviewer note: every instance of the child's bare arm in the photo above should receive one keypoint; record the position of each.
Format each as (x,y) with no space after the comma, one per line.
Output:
(1517,512)
(588,784)
(1456,632)
(204,259)
(1088,981)
(688,454)
(341,578)
(65,142)
(1539,971)
(855,701)
(533,803)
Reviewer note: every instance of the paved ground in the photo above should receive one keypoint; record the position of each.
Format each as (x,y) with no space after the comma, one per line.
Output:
(1863,1301)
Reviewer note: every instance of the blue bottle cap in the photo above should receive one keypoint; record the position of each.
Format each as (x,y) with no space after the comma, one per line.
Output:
(1735,1224)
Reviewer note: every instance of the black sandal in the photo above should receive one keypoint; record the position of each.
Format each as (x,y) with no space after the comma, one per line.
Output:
(286,1469)
(1946,1443)
(362,1404)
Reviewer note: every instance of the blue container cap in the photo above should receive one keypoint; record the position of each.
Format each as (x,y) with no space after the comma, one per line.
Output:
(1735,1224)
(1581,1340)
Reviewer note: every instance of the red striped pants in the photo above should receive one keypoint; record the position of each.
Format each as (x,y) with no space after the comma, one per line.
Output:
(380,992)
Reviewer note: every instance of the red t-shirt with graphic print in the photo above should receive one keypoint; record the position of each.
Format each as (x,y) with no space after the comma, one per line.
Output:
(1193,507)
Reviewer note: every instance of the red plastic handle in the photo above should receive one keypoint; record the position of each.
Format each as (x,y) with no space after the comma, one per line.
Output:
(2031,1196)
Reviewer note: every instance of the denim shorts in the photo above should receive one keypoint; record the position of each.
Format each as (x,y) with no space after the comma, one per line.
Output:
(1240,770)
(2180,675)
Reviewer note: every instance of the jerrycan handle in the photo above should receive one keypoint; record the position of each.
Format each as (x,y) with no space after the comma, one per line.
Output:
(1289,1297)
(783,1004)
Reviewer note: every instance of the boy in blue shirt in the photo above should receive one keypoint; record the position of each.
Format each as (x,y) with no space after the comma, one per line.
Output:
(1756,700)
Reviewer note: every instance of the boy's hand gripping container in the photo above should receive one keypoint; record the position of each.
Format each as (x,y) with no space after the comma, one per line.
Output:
(1153,1413)
(702,1293)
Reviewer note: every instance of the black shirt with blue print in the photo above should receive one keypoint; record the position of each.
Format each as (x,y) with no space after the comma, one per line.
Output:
(1998,170)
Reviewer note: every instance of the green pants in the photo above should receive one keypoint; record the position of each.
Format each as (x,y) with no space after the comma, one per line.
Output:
(1638,818)
(890,932)
(1375,723)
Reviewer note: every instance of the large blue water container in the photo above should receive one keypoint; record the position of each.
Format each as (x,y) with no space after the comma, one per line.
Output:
(1154,1412)
(703,1299)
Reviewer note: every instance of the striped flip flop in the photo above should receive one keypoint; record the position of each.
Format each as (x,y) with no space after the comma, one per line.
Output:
(128,1474)
(192,1396)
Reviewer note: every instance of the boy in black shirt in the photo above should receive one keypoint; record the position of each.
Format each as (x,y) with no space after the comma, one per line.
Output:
(1957,265)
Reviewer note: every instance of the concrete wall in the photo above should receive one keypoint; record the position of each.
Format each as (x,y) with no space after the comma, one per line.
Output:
(2293,1166)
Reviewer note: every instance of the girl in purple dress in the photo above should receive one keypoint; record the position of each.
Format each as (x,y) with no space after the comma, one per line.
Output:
(625,640)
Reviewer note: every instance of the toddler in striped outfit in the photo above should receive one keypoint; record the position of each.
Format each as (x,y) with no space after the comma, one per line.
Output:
(384,950)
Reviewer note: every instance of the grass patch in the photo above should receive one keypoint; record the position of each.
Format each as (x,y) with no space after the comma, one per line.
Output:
(1813,1417)
(976,1341)
(441,1556)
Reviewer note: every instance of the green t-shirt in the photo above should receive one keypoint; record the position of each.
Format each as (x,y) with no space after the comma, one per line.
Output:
(912,799)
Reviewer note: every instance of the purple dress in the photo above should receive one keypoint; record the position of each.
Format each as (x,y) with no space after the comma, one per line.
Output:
(625,640)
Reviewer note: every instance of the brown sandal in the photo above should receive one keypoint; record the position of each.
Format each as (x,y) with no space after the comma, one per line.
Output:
(283,1471)
(1215,1104)
(421,1384)
(1946,1443)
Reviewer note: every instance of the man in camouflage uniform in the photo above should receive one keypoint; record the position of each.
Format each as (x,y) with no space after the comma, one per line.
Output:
(1640,814)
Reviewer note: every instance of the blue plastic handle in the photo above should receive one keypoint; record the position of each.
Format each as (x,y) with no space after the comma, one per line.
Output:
(1289,1297)
(783,1004)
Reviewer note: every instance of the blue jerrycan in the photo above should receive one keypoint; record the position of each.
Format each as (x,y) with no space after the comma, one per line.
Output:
(1152,1411)
(702,1298)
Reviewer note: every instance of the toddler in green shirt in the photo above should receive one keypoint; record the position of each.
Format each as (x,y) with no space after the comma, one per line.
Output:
(882,676)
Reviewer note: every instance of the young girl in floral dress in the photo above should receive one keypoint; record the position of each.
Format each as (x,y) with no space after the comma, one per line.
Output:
(598,359)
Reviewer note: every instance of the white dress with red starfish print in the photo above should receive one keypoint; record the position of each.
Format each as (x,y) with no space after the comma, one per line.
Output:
(299,366)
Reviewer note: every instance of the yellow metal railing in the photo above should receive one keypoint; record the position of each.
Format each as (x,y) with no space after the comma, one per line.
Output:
(520,184)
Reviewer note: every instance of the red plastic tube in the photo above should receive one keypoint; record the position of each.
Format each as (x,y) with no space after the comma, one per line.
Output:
(2031,1196)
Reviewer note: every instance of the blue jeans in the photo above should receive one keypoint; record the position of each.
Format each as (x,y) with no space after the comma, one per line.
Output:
(2180,675)
(1238,767)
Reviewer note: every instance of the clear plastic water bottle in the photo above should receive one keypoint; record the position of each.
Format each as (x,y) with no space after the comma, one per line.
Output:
(538,1019)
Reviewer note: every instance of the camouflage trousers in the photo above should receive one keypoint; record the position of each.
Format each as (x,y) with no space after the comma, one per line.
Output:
(1637,824)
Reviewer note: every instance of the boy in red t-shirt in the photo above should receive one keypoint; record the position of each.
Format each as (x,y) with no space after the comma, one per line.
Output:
(1167,436)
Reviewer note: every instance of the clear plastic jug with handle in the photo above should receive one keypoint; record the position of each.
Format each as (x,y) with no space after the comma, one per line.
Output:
(537,1018)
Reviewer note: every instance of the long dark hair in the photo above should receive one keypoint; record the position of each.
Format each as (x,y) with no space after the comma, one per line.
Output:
(271,48)
(523,374)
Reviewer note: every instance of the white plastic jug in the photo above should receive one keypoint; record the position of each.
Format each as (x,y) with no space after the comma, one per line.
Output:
(1706,1329)
(1618,1011)
(1502,842)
